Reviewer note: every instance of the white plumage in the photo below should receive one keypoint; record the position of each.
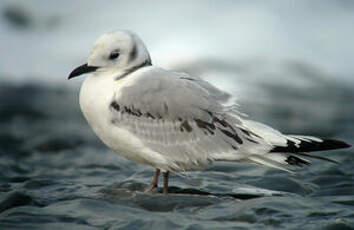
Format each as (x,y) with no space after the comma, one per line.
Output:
(173,121)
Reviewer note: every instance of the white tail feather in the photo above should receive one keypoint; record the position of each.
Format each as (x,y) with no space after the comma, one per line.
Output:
(262,160)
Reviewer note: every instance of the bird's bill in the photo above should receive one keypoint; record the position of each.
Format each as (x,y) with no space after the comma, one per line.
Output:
(82,69)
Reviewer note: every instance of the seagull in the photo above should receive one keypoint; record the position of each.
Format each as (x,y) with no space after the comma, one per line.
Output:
(175,122)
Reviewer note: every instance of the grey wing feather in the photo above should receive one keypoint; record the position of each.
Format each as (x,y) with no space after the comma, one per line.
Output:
(180,118)
(215,93)
(167,94)
(185,120)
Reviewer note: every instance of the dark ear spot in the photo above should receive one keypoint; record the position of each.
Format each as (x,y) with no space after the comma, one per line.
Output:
(133,53)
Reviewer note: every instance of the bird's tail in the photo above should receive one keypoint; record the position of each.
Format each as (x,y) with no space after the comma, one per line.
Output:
(289,150)
(295,150)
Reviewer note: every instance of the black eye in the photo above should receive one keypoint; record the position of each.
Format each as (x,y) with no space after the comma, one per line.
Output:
(114,55)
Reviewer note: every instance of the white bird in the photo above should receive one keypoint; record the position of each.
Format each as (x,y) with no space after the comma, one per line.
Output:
(172,121)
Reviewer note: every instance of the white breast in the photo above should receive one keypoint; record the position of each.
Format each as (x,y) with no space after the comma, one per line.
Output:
(96,94)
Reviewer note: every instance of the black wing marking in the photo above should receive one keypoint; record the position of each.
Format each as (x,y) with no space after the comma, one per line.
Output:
(310,146)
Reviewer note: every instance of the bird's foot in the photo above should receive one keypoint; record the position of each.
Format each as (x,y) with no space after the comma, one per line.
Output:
(150,188)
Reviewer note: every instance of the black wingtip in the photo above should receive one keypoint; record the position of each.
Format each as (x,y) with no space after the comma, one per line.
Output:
(311,146)
(329,144)
(294,160)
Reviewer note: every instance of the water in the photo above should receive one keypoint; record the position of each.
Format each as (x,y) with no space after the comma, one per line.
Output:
(290,66)
(55,174)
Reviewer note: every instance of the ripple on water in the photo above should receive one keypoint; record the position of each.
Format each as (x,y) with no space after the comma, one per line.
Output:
(56,175)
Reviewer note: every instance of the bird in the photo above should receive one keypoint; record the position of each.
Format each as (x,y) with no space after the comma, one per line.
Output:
(173,121)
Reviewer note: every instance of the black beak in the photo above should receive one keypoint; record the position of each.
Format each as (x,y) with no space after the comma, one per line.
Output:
(81,70)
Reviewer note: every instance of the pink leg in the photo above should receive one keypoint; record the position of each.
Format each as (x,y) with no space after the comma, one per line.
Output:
(165,182)
(154,182)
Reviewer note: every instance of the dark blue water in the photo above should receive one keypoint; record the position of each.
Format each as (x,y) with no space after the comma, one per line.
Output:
(55,174)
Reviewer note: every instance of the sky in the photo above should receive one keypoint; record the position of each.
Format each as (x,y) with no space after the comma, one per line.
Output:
(58,35)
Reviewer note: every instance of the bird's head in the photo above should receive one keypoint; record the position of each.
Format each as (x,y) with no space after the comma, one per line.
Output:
(119,50)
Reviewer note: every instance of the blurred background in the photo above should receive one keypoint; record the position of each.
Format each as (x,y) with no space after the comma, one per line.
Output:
(289,64)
